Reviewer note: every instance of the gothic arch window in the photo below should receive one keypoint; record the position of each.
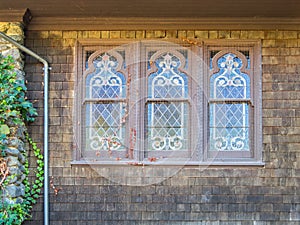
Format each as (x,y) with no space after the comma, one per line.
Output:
(167,105)
(234,109)
(163,103)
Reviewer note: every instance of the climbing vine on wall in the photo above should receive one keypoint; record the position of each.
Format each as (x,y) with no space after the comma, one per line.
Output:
(15,112)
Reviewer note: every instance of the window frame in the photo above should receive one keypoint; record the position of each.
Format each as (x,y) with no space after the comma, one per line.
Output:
(199,156)
(255,101)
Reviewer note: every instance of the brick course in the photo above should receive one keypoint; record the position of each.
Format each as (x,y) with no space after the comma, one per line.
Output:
(215,196)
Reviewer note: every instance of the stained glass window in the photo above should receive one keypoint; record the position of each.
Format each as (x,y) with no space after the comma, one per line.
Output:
(229,105)
(167,119)
(158,102)
(105,92)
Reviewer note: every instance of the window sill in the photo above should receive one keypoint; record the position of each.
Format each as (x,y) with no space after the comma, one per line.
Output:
(166,163)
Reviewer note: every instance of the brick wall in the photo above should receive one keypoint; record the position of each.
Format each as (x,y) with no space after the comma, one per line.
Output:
(213,195)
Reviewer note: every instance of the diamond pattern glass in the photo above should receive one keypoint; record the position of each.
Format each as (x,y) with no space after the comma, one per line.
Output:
(229,121)
(168,126)
(229,127)
(105,89)
(167,121)
(104,126)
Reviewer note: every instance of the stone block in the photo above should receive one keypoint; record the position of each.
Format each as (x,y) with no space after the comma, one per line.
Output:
(224,34)
(201,34)
(213,34)
(70,34)
(159,33)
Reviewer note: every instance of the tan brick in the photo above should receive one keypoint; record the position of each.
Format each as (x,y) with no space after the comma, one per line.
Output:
(140,34)
(279,34)
(256,34)
(270,35)
(171,34)
(290,34)
(291,43)
(55,34)
(272,121)
(128,34)
(40,34)
(270,60)
(69,42)
(83,34)
(159,34)
(190,34)
(235,34)
(281,43)
(181,34)
(213,34)
(269,43)
(94,34)
(150,34)
(292,60)
(244,34)
(69,34)
(201,34)
(104,34)
(115,34)
(284,51)
(270,51)
(295,51)
(224,34)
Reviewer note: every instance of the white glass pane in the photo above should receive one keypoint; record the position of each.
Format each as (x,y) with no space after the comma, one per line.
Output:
(104,127)
(167,126)
(229,127)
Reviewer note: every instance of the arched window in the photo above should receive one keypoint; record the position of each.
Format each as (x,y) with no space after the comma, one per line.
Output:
(229,105)
(154,102)
(233,101)
(104,104)
(167,104)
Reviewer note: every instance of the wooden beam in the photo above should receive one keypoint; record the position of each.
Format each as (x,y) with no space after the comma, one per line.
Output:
(98,23)
(22,16)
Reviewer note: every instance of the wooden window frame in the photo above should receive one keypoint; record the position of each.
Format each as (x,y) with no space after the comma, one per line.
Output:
(255,102)
(199,92)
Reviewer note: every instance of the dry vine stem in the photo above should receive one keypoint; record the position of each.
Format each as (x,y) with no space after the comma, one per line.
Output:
(4,170)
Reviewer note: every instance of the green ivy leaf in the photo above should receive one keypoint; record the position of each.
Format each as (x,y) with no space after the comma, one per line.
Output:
(4,129)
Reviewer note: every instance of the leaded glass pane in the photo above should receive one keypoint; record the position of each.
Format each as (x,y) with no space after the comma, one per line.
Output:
(167,126)
(229,127)
(229,121)
(104,127)
(167,121)
(105,108)
(105,81)
(168,81)
(230,82)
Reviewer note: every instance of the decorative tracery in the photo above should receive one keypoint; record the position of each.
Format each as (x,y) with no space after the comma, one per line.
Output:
(105,108)
(229,105)
(167,119)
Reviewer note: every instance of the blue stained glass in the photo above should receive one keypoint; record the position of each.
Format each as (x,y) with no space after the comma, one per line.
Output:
(230,82)
(105,129)
(167,122)
(168,81)
(229,122)
(105,81)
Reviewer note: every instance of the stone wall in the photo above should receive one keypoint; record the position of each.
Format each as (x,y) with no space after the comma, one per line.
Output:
(214,195)
(15,151)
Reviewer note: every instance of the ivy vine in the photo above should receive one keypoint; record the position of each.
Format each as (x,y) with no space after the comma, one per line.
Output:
(15,112)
